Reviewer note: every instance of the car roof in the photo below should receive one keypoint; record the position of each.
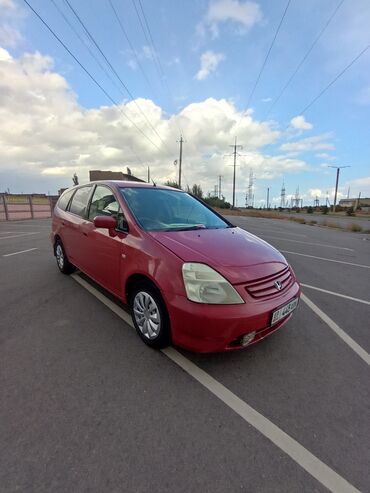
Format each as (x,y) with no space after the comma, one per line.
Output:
(133,184)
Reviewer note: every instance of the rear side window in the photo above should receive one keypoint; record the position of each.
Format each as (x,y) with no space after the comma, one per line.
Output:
(80,200)
(64,199)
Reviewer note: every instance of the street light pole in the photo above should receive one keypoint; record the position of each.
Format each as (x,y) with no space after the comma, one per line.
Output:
(338,168)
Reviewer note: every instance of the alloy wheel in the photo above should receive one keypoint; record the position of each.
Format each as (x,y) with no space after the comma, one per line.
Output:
(147,315)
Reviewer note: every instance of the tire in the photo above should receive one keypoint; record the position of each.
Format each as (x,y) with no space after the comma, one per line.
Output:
(63,263)
(149,315)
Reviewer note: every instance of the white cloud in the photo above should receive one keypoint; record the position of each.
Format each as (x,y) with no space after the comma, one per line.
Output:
(7,4)
(46,135)
(209,62)
(10,16)
(9,36)
(316,143)
(244,14)
(325,155)
(359,185)
(300,123)
(266,100)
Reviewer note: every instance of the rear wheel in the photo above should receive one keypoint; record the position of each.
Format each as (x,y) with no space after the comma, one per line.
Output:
(63,263)
(150,316)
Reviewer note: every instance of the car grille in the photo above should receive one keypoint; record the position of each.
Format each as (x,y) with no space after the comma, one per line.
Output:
(267,287)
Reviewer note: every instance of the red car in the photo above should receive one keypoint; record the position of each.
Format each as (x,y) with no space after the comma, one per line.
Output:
(190,277)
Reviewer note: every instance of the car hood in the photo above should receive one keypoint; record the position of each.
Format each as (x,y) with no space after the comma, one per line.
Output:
(238,255)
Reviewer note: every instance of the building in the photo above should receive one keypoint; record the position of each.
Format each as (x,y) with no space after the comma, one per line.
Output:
(96,175)
(355,202)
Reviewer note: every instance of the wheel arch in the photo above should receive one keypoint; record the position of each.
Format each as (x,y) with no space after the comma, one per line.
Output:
(133,279)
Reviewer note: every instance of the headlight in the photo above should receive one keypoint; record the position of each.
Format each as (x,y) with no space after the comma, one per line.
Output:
(205,285)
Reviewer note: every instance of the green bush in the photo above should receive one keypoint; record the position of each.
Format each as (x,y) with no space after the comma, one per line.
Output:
(309,210)
(350,211)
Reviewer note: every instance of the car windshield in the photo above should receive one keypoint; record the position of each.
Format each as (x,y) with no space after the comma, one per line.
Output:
(157,209)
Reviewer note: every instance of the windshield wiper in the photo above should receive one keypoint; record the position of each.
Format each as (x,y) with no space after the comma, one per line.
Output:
(187,228)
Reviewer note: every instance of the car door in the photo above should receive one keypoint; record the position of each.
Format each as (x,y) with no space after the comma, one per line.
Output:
(103,255)
(73,238)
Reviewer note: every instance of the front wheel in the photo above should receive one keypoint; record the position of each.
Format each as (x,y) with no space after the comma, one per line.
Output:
(150,316)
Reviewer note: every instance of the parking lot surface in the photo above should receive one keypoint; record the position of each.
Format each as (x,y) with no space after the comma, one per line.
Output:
(86,406)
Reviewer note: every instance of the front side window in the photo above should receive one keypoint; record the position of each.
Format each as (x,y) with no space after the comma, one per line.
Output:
(157,209)
(80,200)
(104,203)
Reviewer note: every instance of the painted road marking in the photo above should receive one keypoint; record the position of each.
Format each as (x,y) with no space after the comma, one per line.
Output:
(307,243)
(340,332)
(335,294)
(309,462)
(327,259)
(19,235)
(22,251)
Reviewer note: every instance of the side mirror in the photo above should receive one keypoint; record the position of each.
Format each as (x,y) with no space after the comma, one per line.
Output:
(106,222)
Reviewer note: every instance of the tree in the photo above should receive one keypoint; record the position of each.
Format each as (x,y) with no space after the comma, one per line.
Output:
(75,179)
(197,191)
(172,184)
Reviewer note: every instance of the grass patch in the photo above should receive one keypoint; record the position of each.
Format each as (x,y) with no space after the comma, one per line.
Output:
(312,222)
(250,213)
(299,220)
(355,228)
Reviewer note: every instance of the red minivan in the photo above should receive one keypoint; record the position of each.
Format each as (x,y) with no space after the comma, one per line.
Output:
(190,277)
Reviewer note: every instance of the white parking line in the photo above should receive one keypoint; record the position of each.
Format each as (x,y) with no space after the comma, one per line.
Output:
(18,235)
(335,294)
(22,251)
(340,332)
(307,243)
(309,462)
(327,259)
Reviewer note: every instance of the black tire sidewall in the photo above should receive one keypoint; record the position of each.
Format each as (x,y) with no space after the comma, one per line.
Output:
(164,338)
(68,268)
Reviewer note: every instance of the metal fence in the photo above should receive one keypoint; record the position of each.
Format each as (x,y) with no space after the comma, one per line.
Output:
(14,207)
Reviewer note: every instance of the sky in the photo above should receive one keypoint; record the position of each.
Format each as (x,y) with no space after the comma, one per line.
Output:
(196,68)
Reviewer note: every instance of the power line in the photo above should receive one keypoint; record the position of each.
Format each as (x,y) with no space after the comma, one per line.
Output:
(304,58)
(334,80)
(155,53)
(86,45)
(89,74)
(267,54)
(124,32)
(113,69)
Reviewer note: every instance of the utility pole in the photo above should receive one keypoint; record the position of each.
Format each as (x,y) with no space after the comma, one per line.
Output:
(235,147)
(338,168)
(268,197)
(181,141)
(148,174)
(219,186)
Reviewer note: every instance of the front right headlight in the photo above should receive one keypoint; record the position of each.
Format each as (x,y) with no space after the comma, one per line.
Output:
(204,285)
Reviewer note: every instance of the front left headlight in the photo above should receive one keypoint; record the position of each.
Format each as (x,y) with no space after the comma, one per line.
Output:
(204,285)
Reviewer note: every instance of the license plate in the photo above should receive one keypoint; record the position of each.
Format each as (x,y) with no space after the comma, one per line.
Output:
(284,311)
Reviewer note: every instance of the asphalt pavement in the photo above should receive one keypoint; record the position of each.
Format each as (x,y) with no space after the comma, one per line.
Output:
(86,406)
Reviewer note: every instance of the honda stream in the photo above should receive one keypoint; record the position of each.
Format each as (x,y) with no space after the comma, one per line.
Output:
(189,276)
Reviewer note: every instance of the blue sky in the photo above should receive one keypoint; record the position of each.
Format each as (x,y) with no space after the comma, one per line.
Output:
(211,52)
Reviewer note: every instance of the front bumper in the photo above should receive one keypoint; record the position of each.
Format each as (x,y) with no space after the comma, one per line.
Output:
(214,328)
